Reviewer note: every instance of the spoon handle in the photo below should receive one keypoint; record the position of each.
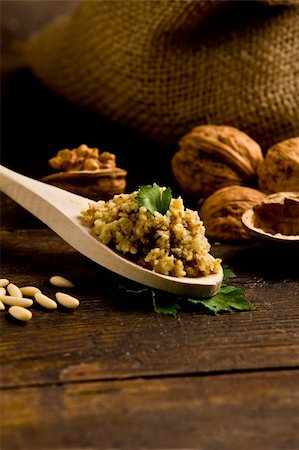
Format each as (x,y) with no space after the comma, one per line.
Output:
(57,208)
(32,194)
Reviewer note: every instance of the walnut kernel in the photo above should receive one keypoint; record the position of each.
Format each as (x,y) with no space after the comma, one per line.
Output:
(82,158)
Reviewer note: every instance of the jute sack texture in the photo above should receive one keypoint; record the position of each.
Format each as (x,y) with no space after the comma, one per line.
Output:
(162,67)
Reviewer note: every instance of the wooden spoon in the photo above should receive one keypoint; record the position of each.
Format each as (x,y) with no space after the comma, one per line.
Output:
(60,210)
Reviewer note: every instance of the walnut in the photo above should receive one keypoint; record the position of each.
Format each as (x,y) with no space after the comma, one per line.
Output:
(278,213)
(279,172)
(222,211)
(87,172)
(82,158)
(212,156)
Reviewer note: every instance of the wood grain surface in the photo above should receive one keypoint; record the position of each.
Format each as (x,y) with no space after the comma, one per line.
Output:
(114,374)
(180,412)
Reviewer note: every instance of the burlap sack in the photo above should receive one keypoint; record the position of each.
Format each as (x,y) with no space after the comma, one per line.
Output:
(161,67)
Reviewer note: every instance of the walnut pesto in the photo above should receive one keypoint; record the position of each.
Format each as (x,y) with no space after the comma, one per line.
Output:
(173,243)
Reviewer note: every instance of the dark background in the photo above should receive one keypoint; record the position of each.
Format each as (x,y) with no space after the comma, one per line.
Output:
(35,123)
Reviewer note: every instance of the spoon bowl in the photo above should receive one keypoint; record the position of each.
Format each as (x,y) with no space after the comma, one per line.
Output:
(60,210)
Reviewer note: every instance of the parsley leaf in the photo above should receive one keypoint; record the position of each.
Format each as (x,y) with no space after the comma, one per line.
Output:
(153,198)
(166,306)
(227,273)
(227,299)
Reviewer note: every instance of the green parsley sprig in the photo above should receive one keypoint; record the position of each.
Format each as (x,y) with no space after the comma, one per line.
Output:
(153,198)
(228,299)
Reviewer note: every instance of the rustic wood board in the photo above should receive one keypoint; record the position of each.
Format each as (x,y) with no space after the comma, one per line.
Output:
(236,411)
(114,334)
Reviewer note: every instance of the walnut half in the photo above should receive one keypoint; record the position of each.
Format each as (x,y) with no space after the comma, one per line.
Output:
(87,172)
(278,213)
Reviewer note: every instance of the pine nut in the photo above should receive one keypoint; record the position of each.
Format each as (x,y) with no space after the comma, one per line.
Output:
(16,301)
(20,313)
(61,282)
(67,300)
(29,290)
(2,307)
(13,290)
(4,282)
(2,291)
(45,301)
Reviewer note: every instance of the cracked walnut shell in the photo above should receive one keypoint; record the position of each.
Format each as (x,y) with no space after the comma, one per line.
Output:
(214,156)
(279,172)
(278,213)
(87,172)
(222,212)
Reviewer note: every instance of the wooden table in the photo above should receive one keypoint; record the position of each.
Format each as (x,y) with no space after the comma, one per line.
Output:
(114,374)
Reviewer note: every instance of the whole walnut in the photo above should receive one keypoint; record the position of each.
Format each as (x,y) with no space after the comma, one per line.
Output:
(279,172)
(222,211)
(214,156)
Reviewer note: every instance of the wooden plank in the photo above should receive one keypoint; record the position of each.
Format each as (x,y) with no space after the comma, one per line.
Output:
(241,411)
(114,334)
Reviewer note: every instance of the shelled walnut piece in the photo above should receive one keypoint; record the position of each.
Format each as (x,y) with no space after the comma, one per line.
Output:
(87,172)
(222,211)
(82,158)
(211,157)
